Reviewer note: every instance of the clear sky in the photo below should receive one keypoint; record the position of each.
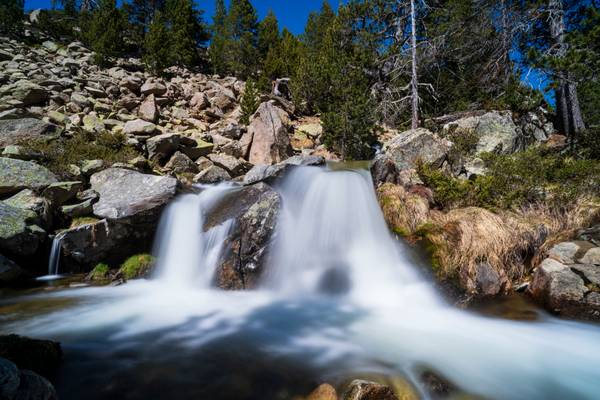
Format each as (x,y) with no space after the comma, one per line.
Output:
(292,14)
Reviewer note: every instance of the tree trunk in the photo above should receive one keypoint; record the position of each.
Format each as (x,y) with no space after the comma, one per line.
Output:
(567,104)
(414,81)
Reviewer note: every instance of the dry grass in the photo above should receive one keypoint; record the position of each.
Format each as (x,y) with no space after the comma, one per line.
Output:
(512,243)
(403,211)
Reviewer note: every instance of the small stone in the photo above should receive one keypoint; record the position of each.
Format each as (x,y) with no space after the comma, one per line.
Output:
(20,153)
(152,87)
(139,127)
(180,163)
(323,392)
(212,174)
(78,210)
(90,167)
(592,256)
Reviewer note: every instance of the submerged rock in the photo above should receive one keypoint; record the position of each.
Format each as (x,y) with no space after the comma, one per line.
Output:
(255,210)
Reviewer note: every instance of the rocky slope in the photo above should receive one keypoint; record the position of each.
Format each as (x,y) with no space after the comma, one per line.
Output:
(92,155)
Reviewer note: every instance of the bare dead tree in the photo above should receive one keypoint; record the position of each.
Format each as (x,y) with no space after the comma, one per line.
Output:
(414,82)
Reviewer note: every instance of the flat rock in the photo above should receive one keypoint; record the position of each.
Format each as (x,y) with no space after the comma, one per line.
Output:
(16,131)
(139,127)
(125,193)
(18,174)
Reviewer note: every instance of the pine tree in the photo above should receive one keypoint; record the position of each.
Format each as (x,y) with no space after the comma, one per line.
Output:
(243,58)
(141,14)
(11,16)
(186,32)
(157,45)
(105,31)
(317,25)
(268,34)
(220,38)
(250,101)
(282,59)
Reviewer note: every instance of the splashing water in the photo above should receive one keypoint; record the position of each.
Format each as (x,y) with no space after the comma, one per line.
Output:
(339,293)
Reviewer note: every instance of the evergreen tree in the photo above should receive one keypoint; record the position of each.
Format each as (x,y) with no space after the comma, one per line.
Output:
(243,55)
(268,34)
(250,101)
(317,25)
(186,32)
(157,45)
(141,14)
(282,58)
(219,40)
(11,16)
(105,31)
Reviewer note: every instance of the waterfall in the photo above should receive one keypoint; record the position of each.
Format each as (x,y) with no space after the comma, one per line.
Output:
(53,259)
(187,256)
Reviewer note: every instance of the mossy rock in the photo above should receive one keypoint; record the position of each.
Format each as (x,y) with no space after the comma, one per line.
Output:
(138,266)
(80,221)
(100,272)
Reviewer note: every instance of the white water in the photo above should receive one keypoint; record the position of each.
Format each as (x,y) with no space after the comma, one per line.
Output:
(340,292)
(53,260)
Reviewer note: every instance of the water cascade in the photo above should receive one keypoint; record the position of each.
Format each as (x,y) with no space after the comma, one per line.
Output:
(339,294)
(53,259)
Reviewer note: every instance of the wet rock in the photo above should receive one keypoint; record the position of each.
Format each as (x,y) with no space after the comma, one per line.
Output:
(162,147)
(40,356)
(212,174)
(366,390)
(270,173)
(125,193)
(557,286)
(411,146)
(15,131)
(269,132)
(323,392)
(9,379)
(34,387)
(255,209)
(10,272)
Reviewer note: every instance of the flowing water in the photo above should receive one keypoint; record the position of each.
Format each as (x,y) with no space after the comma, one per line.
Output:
(53,260)
(341,298)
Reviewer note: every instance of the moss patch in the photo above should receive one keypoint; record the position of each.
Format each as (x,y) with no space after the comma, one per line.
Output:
(136,266)
(100,272)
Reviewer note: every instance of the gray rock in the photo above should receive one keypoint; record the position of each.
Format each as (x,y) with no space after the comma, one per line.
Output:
(81,100)
(27,199)
(148,109)
(408,147)
(269,131)
(60,192)
(90,167)
(270,173)
(569,252)
(78,210)
(35,387)
(556,285)
(9,379)
(20,153)
(18,236)
(9,272)
(496,130)
(232,165)
(592,256)
(212,174)
(163,146)
(180,163)
(383,170)
(17,174)
(255,209)
(200,149)
(28,93)
(487,280)
(152,87)
(125,193)
(139,127)
(16,131)
(590,273)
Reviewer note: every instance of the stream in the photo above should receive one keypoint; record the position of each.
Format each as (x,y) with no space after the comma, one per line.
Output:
(340,298)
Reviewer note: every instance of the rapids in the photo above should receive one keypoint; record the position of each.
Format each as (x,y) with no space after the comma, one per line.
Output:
(341,296)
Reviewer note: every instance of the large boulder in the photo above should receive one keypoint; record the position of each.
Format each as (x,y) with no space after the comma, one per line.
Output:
(126,194)
(495,132)
(409,147)
(105,241)
(148,109)
(269,132)
(14,131)
(568,290)
(17,174)
(40,356)
(10,272)
(255,210)
(19,236)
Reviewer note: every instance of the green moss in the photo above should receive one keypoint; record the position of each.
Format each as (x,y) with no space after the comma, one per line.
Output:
(79,221)
(100,272)
(136,266)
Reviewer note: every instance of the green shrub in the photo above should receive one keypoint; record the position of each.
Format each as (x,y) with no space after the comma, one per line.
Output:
(60,152)
(136,266)
(250,101)
(531,176)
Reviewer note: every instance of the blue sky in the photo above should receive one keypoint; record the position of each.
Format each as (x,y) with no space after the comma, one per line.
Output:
(292,14)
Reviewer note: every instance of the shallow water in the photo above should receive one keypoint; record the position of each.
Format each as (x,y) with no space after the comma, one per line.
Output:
(342,298)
